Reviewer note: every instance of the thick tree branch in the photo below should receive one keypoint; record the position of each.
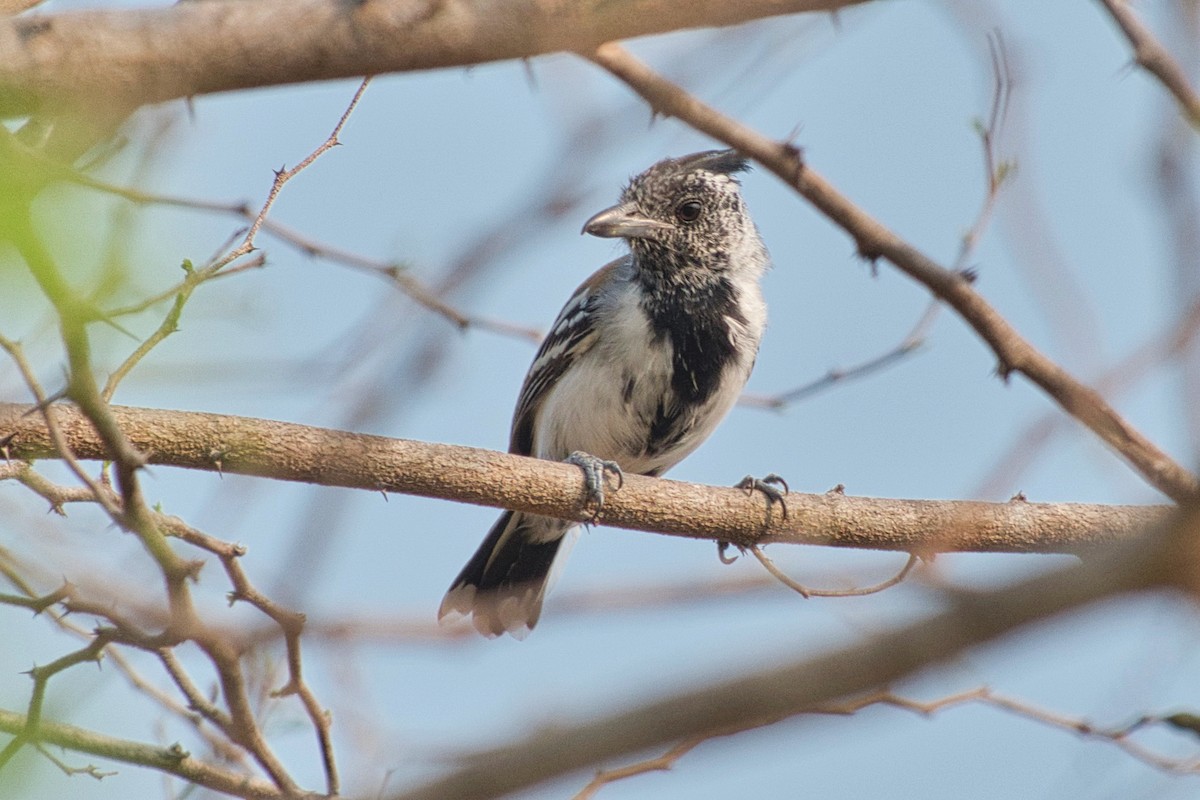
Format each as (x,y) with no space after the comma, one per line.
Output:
(136,56)
(875,240)
(286,451)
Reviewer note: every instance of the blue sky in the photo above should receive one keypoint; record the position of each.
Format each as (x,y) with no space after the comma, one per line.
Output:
(882,101)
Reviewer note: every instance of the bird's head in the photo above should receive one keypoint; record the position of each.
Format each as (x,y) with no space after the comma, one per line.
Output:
(682,212)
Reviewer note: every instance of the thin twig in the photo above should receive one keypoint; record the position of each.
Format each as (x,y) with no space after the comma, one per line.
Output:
(1118,736)
(61,445)
(29,733)
(291,623)
(913,340)
(807,592)
(395,273)
(996,173)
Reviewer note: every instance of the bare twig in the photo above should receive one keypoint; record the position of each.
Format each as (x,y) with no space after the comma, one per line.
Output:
(57,496)
(912,341)
(805,591)
(291,623)
(996,173)
(61,446)
(1119,736)
(395,273)
(996,170)
(282,176)
(169,325)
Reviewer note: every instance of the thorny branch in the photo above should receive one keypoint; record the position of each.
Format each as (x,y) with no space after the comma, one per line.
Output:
(172,759)
(1014,353)
(1152,56)
(127,507)
(1120,736)
(1165,558)
(996,173)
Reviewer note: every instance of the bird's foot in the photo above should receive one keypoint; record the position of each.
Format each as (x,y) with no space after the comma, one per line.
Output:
(594,470)
(767,486)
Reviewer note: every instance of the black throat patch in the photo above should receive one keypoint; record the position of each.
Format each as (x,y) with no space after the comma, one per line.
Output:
(694,315)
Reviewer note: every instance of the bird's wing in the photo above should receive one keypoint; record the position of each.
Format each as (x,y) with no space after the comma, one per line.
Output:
(572,334)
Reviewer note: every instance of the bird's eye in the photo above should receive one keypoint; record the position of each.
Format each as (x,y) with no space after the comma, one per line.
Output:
(688,211)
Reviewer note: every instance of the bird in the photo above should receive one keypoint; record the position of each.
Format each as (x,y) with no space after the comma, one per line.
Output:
(641,364)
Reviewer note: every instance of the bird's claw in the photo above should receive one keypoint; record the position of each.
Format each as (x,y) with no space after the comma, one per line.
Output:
(594,470)
(722,546)
(767,486)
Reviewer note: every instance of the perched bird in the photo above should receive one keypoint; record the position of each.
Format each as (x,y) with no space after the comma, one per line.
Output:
(640,366)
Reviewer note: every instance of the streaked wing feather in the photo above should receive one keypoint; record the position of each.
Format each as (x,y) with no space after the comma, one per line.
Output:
(572,334)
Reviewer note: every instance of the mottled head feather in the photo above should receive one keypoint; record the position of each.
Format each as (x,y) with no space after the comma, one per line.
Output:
(691,215)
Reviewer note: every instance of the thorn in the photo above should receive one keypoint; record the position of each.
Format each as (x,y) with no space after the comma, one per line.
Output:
(191,570)
(530,75)
(793,150)
(870,256)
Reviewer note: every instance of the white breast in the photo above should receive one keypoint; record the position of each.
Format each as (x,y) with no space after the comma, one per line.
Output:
(593,409)
(588,410)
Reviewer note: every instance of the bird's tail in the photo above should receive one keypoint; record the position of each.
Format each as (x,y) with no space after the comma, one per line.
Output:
(503,584)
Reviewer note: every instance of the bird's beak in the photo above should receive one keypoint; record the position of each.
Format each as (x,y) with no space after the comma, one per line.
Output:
(622,221)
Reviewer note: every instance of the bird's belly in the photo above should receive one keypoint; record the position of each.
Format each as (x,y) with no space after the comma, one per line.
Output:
(605,409)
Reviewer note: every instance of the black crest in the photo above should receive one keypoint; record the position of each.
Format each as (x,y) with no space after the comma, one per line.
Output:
(722,162)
